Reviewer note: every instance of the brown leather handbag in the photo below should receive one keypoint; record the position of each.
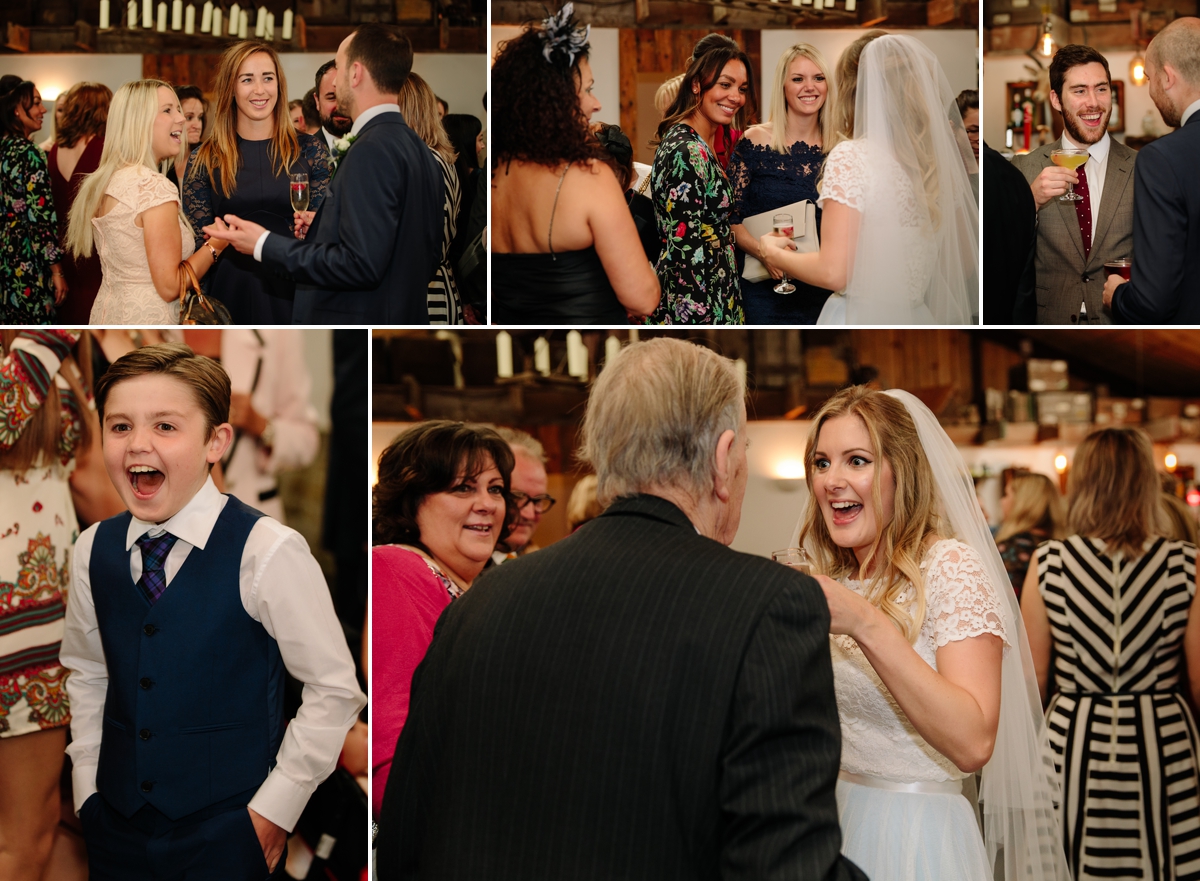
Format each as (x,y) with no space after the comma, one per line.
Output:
(196,307)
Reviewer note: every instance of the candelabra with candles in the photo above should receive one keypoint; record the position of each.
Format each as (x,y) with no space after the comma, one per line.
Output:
(214,20)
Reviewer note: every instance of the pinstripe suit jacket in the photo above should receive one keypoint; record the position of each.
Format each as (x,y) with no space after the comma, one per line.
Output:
(636,701)
(1064,278)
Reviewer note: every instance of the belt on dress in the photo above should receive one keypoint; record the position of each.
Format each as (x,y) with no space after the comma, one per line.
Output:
(945,787)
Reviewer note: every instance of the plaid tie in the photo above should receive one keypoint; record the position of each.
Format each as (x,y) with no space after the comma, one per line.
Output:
(1083,210)
(154,554)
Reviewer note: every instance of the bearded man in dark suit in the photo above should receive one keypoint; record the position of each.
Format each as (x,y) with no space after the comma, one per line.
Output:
(636,701)
(371,249)
(1165,285)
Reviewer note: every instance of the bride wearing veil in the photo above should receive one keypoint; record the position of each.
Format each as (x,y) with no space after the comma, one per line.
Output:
(932,668)
(900,230)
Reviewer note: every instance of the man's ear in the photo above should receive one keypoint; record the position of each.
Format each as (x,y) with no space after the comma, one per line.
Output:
(1054,102)
(721,464)
(1170,76)
(218,443)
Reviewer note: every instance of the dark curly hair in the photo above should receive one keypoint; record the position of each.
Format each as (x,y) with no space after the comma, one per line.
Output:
(429,458)
(535,109)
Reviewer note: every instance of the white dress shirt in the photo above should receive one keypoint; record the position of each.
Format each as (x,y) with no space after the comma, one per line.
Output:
(1191,108)
(283,589)
(363,118)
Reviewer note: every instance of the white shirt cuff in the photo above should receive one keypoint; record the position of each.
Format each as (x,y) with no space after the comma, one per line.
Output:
(281,800)
(258,246)
(83,783)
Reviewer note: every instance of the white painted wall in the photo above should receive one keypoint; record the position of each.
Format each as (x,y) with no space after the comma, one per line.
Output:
(957,50)
(1002,69)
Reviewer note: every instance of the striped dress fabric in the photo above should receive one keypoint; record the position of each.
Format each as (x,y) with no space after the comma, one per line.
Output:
(445,303)
(1131,795)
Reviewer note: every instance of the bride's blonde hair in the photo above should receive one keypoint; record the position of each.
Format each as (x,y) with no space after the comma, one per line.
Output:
(128,141)
(894,558)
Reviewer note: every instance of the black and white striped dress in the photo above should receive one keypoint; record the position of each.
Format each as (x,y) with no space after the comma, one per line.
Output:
(445,303)
(1131,796)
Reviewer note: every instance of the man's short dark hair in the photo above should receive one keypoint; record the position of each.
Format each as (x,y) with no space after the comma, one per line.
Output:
(1070,56)
(308,105)
(321,71)
(386,54)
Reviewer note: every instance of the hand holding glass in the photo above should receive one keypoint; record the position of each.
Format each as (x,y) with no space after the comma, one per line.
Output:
(1072,159)
(783,225)
(796,558)
(298,190)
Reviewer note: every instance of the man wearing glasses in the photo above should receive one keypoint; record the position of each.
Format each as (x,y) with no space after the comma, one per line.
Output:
(529,484)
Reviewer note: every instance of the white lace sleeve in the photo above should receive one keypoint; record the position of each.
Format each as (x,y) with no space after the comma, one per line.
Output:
(844,179)
(153,189)
(960,600)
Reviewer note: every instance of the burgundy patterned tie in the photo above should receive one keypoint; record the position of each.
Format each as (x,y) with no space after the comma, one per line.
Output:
(154,555)
(1083,209)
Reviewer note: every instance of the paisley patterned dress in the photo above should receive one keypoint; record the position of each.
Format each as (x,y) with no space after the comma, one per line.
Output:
(37,532)
(697,267)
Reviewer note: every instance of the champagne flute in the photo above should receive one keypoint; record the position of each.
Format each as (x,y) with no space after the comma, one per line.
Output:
(796,558)
(782,224)
(298,190)
(1072,159)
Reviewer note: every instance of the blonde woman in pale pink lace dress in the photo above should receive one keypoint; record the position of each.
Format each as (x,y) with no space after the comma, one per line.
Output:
(130,212)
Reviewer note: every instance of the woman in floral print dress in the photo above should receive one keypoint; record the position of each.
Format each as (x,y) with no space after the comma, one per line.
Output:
(692,196)
(31,280)
(43,422)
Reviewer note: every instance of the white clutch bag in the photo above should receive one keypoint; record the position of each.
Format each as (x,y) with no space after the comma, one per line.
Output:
(804,233)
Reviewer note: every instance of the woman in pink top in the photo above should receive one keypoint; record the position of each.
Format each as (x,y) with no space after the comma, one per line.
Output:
(441,505)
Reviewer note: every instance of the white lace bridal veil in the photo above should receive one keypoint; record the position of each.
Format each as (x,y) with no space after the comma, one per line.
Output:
(916,260)
(1019,793)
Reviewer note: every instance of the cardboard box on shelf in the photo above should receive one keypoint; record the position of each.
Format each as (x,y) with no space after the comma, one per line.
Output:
(1055,408)
(1119,411)
(1047,375)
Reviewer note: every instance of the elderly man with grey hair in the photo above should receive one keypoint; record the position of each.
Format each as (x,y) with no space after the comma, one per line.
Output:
(636,701)
(1165,276)
(528,487)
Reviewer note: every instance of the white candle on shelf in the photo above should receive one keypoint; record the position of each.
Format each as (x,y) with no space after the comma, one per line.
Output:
(177,15)
(147,13)
(287,24)
(131,14)
(216,22)
(162,17)
(541,356)
(243,25)
(260,23)
(740,367)
(189,19)
(206,18)
(103,15)
(577,355)
(270,25)
(634,335)
(504,355)
(235,18)
(612,346)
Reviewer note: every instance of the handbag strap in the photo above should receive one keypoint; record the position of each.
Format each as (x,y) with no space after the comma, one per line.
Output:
(187,279)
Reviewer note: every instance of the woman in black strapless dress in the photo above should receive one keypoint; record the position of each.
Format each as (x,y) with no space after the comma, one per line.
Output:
(564,246)
(242,168)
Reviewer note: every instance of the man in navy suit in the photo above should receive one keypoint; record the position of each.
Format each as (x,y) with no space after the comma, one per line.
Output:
(372,247)
(1165,285)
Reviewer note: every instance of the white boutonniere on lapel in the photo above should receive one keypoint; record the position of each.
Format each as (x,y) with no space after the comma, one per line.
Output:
(341,146)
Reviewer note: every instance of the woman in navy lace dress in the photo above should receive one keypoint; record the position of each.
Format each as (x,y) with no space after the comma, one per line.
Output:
(778,163)
(243,169)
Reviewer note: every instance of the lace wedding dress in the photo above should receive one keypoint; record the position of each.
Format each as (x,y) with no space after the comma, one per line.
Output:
(900,801)
(127,294)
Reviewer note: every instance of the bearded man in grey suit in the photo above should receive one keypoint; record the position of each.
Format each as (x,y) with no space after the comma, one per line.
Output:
(1076,239)
(636,701)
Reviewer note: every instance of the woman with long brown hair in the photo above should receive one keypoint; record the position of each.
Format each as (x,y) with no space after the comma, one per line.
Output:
(243,168)
(1116,602)
(81,116)
(692,196)
(47,432)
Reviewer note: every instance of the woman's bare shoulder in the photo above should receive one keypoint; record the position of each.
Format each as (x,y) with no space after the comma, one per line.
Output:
(759,134)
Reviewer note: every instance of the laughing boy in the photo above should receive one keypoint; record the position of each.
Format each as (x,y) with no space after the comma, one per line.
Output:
(183,616)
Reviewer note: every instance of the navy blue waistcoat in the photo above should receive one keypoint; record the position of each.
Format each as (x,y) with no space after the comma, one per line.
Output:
(194,709)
